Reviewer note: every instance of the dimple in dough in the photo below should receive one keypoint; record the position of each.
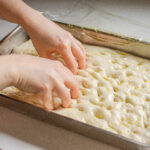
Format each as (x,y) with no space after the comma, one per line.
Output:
(114,92)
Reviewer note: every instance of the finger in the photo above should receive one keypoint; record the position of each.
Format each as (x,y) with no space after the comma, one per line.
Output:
(69,81)
(47,101)
(47,55)
(64,93)
(77,52)
(81,46)
(73,86)
(70,60)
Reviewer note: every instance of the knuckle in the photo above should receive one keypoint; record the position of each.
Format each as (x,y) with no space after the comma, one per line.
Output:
(65,44)
(55,81)
(61,43)
(45,87)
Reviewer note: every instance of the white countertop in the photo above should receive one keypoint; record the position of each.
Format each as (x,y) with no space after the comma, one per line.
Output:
(19,132)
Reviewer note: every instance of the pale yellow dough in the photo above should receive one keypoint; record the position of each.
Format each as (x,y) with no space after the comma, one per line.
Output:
(115,92)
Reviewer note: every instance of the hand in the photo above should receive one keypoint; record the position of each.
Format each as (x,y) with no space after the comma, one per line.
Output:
(48,37)
(41,76)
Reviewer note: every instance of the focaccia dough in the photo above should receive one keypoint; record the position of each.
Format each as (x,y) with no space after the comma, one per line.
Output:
(114,92)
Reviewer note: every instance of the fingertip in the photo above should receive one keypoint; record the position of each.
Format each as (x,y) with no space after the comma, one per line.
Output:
(64,94)
(48,107)
(73,68)
(75,96)
(66,103)
(75,72)
(75,93)
(72,84)
(82,64)
(85,65)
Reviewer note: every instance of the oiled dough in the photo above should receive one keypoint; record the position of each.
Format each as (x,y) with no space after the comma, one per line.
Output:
(115,92)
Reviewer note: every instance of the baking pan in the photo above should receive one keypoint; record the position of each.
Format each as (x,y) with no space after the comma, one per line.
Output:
(15,38)
(89,36)
(85,35)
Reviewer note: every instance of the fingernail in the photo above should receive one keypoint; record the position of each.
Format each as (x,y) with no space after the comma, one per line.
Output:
(75,71)
(68,105)
(76,96)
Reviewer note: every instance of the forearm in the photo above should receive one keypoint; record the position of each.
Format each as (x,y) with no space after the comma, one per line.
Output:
(14,10)
(18,12)
(46,36)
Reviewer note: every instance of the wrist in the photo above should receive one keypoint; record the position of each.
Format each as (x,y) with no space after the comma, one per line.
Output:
(25,15)
(30,20)
(33,23)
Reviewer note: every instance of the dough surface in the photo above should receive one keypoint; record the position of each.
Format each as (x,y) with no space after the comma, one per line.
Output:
(114,92)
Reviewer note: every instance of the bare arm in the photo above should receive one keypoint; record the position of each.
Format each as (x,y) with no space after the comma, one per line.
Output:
(45,75)
(15,11)
(38,27)
(39,76)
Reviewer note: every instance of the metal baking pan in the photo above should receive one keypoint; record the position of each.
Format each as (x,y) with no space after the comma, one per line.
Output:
(89,36)
(85,35)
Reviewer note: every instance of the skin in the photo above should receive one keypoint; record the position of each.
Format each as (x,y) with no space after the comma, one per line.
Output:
(41,75)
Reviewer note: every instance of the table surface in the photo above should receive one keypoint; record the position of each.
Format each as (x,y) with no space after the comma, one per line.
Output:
(18,131)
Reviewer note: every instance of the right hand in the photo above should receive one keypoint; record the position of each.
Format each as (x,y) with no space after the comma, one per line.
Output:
(42,76)
(48,37)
